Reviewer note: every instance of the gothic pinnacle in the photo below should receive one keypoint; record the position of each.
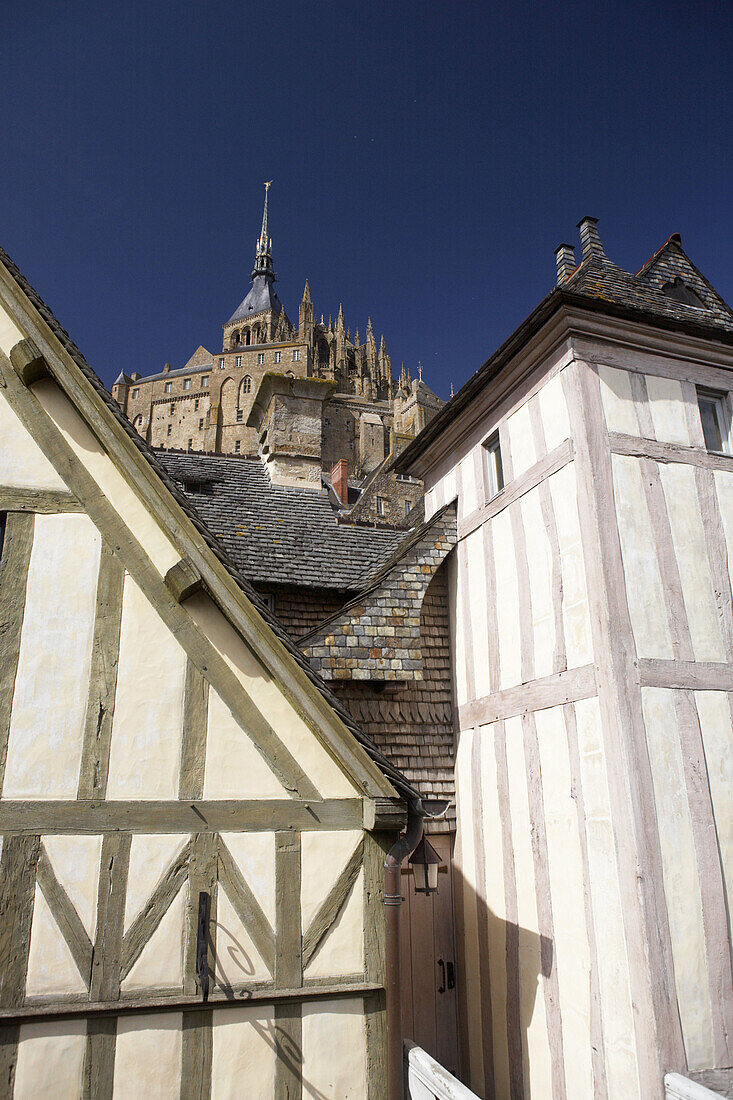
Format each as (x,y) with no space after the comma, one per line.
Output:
(263,253)
(307,292)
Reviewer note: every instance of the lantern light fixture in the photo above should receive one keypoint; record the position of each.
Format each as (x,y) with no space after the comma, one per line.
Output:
(425,862)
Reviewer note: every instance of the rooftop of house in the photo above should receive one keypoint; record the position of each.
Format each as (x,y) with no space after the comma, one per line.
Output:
(277,534)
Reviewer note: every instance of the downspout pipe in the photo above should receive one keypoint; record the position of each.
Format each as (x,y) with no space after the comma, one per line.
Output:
(404,847)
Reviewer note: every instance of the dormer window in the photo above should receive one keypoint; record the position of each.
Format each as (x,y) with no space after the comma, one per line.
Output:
(681,292)
(715,420)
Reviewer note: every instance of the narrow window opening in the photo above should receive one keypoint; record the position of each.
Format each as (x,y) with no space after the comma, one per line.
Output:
(237,446)
(246,384)
(715,420)
(260,358)
(493,466)
(3,521)
(240,415)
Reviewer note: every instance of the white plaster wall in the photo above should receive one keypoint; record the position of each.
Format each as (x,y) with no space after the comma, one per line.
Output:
(521,440)
(22,462)
(467,881)
(254,854)
(667,406)
(342,949)
(618,401)
(148,1057)
(539,562)
(641,567)
(554,412)
(51,966)
(51,686)
(50,1061)
(681,882)
(322,769)
(146,728)
(334,1054)
(75,860)
(507,600)
(151,854)
(10,334)
(613,967)
(243,1057)
(575,612)
(234,767)
(713,708)
(324,854)
(160,964)
(237,959)
(111,481)
(479,642)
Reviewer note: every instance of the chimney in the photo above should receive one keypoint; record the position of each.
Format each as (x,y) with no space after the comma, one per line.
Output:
(340,481)
(589,238)
(166,368)
(565,257)
(135,376)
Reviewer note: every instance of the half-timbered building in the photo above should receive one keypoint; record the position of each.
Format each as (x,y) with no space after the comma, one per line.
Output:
(591,464)
(193,827)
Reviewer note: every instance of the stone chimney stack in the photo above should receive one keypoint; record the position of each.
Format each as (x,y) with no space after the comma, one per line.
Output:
(340,481)
(589,238)
(565,257)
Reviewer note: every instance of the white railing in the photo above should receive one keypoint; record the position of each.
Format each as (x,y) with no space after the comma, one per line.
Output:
(426,1079)
(677,1087)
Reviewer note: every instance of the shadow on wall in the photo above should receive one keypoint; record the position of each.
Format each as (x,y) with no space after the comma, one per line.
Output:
(495,1017)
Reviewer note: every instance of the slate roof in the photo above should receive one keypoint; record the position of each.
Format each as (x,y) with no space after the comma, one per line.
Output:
(262,296)
(276,534)
(599,284)
(393,774)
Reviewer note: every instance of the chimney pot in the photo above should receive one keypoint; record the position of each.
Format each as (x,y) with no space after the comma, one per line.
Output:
(340,481)
(589,238)
(166,368)
(565,257)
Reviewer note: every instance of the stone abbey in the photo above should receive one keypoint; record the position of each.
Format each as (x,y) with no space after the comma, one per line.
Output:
(304,397)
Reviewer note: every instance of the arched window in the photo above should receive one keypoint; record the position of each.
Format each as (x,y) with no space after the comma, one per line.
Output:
(246,384)
(246,335)
(234,340)
(681,292)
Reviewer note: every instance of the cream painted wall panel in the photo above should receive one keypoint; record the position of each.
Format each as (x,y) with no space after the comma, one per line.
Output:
(301,741)
(688,537)
(715,722)
(51,686)
(151,854)
(237,959)
(575,613)
(536,1050)
(667,405)
(75,860)
(521,440)
(450,486)
(681,883)
(467,880)
(567,890)
(539,561)
(469,500)
(334,1054)
(22,462)
(554,412)
(456,581)
(146,728)
(507,600)
(641,567)
(160,964)
(724,491)
(618,401)
(342,951)
(51,966)
(234,767)
(496,906)
(95,459)
(479,641)
(10,334)
(50,1061)
(324,854)
(243,1058)
(430,504)
(254,854)
(613,967)
(148,1057)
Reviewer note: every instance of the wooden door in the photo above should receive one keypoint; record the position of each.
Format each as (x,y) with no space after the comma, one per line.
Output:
(428,961)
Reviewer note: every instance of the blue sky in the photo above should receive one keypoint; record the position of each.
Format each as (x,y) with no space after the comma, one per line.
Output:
(427,158)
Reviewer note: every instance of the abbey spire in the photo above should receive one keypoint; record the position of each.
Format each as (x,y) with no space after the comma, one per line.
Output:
(263,253)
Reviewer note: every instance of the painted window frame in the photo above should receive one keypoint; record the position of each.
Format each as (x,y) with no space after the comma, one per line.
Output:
(720,401)
(493,466)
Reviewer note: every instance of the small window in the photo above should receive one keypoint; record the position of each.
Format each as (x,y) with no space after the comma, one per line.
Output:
(715,420)
(169,387)
(204,381)
(237,446)
(136,392)
(296,355)
(240,415)
(187,383)
(381,506)
(169,429)
(278,356)
(201,425)
(221,364)
(171,410)
(493,466)
(260,358)
(238,361)
(246,384)
(190,444)
(408,507)
(196,405)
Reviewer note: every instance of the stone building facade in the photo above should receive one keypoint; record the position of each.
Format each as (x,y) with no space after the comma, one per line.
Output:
(206,406)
